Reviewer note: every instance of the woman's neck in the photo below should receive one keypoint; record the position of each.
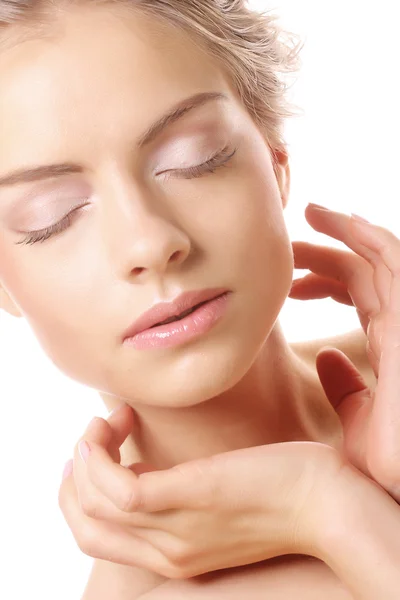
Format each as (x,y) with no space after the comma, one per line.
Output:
(279,399)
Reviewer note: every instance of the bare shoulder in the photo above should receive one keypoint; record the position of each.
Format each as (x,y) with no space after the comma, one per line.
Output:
(352,343)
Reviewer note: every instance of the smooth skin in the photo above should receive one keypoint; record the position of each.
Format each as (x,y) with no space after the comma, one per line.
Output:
(292,498)
(141,229)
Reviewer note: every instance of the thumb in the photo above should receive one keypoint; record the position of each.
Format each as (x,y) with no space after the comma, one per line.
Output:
(351,398)
(339,377)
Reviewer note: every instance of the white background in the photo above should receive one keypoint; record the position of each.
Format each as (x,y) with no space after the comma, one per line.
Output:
(344,155)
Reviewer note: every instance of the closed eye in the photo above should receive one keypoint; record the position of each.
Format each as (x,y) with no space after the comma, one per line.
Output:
(44,234)
(219,159)
(210,166)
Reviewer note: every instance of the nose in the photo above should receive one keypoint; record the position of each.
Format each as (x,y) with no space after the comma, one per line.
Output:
(144,239)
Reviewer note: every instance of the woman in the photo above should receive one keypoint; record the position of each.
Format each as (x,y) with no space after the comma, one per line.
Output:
(176,182)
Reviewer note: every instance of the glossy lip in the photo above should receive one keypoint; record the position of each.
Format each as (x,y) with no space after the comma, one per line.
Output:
(165,310)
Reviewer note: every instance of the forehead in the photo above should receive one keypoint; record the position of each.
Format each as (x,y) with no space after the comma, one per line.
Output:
(101,73)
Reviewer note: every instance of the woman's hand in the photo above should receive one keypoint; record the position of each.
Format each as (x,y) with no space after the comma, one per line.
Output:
(230,509)
(233,509)
(360,538)
(369,279)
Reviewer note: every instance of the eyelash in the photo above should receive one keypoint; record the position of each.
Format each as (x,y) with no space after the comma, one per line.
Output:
(210,166)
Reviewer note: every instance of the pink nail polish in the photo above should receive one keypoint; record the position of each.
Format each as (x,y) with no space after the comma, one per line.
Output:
(68,469)
(84,450)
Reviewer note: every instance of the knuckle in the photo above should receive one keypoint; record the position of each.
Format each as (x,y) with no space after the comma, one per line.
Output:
(389,254)
(88,540)
(200,475)
(89,508)
(129,500)
(173,571)
(179,555)
(206,474)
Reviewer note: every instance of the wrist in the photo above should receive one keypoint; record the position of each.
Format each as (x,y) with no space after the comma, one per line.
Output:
(360,536)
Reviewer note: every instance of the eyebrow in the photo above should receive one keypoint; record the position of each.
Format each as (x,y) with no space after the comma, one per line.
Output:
(58,170)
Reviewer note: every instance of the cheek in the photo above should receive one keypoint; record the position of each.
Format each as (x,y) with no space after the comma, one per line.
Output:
(244,227)
(249,238)
(55,304)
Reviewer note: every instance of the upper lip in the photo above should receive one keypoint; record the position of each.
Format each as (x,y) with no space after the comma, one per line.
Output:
(165,310)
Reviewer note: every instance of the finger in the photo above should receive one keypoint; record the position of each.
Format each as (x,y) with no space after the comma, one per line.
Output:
(181,487)
(364,320)
(118,487)
(387,246)
(329,361)
(369,294)
(109,433)
(113,491)
(384,434)
(140,468)
(94,502)
(99,430)
(324,260)
(342,266)
(383,243)
(106,541)
(313,286)
(336,225)
(383,441)
(112,480)
(373,359)
(339,226)
(351,398)
(121,421)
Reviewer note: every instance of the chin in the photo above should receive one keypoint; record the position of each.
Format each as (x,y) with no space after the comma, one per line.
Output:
(203,369)
(198,376)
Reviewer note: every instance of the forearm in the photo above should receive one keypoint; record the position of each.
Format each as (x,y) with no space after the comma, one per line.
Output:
(361,538)
(277,579)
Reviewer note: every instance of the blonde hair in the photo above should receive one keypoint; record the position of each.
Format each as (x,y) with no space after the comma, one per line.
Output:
(253,49)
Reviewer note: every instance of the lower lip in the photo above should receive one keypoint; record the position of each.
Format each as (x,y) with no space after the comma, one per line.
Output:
(179,332)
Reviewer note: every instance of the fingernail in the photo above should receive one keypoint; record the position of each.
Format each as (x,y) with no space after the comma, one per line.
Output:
(68,469)
(318,206)
(84,450)
(295,282)
(115,410)
(360,219)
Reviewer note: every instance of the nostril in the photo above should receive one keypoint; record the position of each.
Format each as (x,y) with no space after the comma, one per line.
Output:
(175,255)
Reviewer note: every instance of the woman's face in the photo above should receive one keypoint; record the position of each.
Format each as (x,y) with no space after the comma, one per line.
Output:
(146,231)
